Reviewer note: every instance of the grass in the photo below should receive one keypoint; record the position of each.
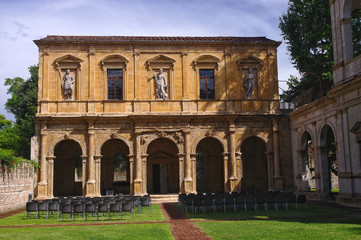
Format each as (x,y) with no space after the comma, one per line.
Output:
(128,231)
(155,215)
(273,229)
(312,222)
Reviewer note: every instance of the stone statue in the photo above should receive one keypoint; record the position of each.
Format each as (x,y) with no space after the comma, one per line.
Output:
(161,85)
(67,85)
(249,83)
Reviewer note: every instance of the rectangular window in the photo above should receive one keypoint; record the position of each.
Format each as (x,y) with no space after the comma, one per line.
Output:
(206,83)
(115,83)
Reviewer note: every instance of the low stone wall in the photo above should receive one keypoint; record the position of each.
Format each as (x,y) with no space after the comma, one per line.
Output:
(15,186)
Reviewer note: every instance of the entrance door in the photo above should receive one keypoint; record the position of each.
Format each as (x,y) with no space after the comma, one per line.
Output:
(255,177)
(67,169)
(162,167)
(160,178)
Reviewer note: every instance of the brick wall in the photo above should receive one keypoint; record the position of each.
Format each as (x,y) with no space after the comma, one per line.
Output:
(15,187)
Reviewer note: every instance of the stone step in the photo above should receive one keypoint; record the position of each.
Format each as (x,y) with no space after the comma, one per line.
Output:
(163,198)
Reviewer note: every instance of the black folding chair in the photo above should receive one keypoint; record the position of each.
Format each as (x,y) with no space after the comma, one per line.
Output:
(31,207)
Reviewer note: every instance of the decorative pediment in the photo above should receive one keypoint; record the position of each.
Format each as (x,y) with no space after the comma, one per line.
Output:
(356,129)
(68,62)
(206,61)
(114,61)
(160,61)
(250,62)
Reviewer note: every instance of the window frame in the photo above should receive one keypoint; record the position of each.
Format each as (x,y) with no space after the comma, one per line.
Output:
(115,85)
(208,97)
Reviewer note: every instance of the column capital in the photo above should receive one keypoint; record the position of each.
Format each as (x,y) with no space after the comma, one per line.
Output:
(225,154)
(187,131)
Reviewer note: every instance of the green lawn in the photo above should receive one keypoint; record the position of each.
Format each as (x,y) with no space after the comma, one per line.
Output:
(126,231)
(312,222)
(155,215)
(334,228)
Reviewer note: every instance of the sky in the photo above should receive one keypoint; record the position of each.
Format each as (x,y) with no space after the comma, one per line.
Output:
(22,21)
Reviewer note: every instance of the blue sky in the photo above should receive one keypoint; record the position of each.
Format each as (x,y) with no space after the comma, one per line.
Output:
(22,21)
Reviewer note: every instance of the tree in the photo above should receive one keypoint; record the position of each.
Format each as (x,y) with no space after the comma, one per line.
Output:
(306,28)
(22,104)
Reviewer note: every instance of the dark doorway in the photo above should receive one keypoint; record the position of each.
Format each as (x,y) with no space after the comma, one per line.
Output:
(68,169)
(115,173)
(209,166)
(162,167)
(255,177)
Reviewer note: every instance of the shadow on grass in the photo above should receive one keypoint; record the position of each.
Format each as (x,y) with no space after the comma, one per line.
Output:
(310,213)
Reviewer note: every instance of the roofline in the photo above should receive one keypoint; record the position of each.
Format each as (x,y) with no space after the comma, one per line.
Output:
(155,40)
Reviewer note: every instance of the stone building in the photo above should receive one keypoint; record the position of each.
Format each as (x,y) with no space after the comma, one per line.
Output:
(142,115)
(336,118)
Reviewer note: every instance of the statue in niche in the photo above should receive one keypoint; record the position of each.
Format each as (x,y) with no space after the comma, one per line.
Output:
(161,85)
(249,83)
(67,85)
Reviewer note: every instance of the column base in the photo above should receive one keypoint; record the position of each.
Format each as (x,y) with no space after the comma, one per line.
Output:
(188,185)
(232,184)
(278,181)
(42,192)
(90,189)
(138,187)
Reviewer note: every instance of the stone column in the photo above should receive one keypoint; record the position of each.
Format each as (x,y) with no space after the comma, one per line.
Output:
(188,185)
(270,170)
(97,160)
(144,173)
(233,178)
(184,76)
(90,185)
(84,173)
(181,172)
(225,173)
(278,181)
(43,184)
(131,173)
(240,170)
(138,166)
(50,160)
(194,172)
(136,75)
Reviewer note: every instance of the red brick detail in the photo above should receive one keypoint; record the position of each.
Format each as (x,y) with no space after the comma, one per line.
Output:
(181,226)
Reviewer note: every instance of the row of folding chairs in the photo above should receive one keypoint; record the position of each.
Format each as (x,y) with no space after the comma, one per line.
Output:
(88,206)
(245,200)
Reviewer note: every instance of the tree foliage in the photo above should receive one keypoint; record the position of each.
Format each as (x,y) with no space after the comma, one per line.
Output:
(22,104)
(306,28)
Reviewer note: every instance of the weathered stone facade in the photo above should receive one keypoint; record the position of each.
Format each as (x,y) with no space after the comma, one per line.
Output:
(15,187)
(337,114)
(244,142)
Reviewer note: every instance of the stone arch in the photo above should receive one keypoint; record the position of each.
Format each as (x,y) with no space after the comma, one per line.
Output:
(215,136)
(115,166)
(308,164)
(261,135)
(68,178)
(147,139)
(162,166)
(255,164)
(100,141)
(329,178)
(60,138)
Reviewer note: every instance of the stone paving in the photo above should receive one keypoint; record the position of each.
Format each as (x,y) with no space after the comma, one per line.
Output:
(182,227)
